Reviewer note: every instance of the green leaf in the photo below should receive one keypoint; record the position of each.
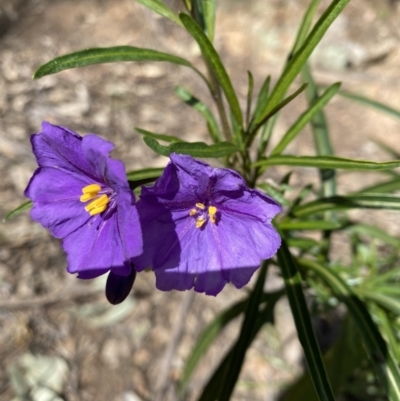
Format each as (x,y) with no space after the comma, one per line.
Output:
(309,225)
(209,7)
(382,357)
(21,208)
(365,201)
(249,96)
(215,64)
(341,361)
(106,55)
(144,174)
(321,138)
(265,315)
(305,25)
(192,101)
(161,137)
(375,232)
(280,106)
(305,118)
(298,305)
(195,149)
(388,302)
(298,60)
(207,337)
(327,162)
(382,187)
(371,103)
(262,97)
(160,8)
(245,337)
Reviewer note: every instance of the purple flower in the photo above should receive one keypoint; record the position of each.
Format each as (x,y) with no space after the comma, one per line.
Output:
(82,196)
(203,227)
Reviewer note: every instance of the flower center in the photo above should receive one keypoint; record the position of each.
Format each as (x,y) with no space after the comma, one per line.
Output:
(99,202)
(202,213)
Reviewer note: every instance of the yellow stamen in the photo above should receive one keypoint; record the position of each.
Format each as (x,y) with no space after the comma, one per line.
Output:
(212,211)
(90,192)
(192,212)
(200,206)
(200,221)
(98,205)
(91,188)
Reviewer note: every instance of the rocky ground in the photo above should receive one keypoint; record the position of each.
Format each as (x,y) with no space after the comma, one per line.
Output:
(137,351)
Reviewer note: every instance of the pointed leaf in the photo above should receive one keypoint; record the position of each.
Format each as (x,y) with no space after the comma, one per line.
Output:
(192,101)
(327,162)
(161,137)
(309,225)
(280,106)
(262,97)
(302,319)
(382,357)
(144,174)
(215,64)
(371,103)
(106,55)
(195,149)
(305,118)
(160,8)
(295,65)
(365,201)
(21,208)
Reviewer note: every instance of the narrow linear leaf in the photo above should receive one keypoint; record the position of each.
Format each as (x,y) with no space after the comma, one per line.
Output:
(387,331)
(262,97)
(305,118)
(211,332)
(199,106)
(371,103)
(327,162)
(195,149)
(144,174)
(365,201)
(200,149)
(156,147)
(245,337)
(375,232)
(309,225)
(388,149)
(212,388)
(382,187)
(249,96)
(388,302)
(280,106)
(305,25)
(296,63)
(215,64)
(303,243)
(100,55)
(209,7)
(298,305)
(207,338)
(322,142)
(21,208)
(160,8)
(161,137)
(382,357)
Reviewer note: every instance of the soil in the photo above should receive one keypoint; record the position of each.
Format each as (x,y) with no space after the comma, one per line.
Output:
(137,351)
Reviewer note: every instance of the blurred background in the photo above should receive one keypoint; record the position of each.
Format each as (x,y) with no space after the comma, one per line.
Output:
(59,339)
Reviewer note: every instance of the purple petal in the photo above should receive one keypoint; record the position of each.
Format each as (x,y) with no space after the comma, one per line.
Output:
(56,205)
(60,148)
(129,225)
(96,246)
